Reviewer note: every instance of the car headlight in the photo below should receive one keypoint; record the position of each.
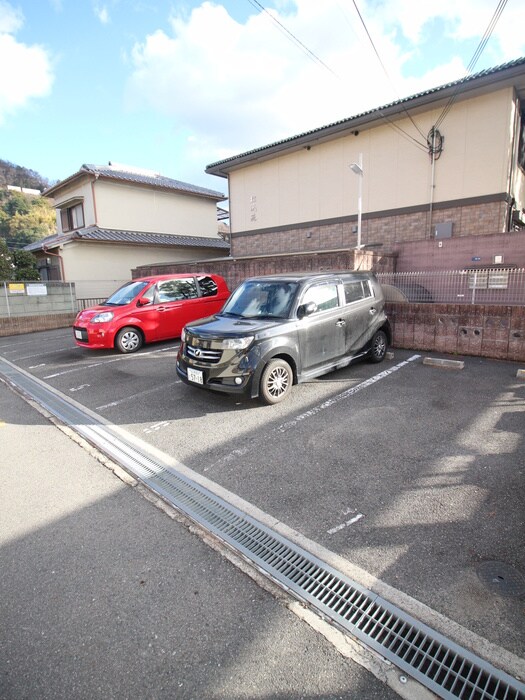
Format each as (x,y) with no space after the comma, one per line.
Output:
(237,343)
(103,317)
(183,335)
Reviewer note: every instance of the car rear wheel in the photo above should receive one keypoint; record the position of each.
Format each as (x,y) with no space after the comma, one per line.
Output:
(276,381)
(378,347)
(128,340)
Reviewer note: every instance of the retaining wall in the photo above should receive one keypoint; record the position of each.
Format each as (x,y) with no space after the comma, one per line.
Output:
(497,332)
(29,324)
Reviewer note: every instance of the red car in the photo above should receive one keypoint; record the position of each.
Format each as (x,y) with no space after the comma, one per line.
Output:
(149,309)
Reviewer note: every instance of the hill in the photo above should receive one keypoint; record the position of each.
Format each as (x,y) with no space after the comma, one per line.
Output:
(11,174)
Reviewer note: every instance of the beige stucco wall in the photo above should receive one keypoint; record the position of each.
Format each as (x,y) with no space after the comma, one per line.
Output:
(132,208)
(82,190)
(317,184)
(98,269)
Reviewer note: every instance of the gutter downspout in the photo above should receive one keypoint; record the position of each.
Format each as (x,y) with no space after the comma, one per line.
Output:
(94,198)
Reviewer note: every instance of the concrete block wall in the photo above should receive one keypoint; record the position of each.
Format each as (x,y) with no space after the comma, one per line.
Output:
(58,299)
(497,332)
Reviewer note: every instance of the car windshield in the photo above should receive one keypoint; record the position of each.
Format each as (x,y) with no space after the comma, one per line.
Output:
(125,294)
(261,299)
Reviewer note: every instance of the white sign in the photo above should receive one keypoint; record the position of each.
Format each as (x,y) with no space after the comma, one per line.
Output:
(36,290)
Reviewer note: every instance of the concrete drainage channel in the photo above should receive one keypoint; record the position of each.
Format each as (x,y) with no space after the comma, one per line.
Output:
(440,665)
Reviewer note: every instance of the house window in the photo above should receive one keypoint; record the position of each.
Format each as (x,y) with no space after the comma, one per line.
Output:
(72,217)
(488,279)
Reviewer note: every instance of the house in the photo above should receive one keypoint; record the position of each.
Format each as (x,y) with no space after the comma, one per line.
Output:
(434,181)
(113,218)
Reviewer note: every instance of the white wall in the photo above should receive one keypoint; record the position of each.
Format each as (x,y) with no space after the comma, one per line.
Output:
(316,184)
(133,208)
(99,268)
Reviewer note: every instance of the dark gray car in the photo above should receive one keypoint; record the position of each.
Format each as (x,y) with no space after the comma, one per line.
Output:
(278,330)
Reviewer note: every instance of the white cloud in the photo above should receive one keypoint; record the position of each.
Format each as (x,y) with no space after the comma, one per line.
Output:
(237,86)
(26,69)
(102,14)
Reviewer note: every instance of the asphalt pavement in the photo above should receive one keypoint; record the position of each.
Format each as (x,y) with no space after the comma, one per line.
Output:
(103,595)
(407,477)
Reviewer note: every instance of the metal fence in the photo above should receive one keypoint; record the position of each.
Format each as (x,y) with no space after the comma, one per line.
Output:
(495,286)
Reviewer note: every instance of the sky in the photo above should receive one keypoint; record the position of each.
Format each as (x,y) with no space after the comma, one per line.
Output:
(173,86)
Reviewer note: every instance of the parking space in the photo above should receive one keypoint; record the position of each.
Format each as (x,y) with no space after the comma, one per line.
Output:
(413,473)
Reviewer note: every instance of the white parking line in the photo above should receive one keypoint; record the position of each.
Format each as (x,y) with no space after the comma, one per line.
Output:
(347,523)
(312,412)
(27,342)
(344,395)
(135,396)
(107,362)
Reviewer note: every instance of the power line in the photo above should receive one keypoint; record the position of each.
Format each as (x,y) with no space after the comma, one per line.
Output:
(314,57)
(292,36)
(477,53)
(385,70)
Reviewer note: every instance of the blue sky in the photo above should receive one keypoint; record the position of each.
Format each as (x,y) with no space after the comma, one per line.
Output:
(173,86)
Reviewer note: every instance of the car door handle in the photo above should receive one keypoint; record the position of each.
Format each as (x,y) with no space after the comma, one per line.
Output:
(373,311)
(340,323)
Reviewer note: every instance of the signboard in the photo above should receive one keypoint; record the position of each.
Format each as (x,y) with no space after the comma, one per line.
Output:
(16,288)
(36,290)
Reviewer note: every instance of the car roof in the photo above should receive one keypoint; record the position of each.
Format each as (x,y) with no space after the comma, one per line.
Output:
(174,275)
(302,276)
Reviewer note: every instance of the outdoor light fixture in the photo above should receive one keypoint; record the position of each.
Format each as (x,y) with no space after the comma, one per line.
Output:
(357,168)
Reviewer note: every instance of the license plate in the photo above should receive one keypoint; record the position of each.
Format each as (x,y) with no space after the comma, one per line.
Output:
(195,375)
(78,334)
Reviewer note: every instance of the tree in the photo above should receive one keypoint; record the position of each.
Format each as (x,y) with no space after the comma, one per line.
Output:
(25,218)
(6,262)
(25,265)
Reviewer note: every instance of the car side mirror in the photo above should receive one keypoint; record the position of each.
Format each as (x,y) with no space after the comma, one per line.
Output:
(306,309)
(143,301)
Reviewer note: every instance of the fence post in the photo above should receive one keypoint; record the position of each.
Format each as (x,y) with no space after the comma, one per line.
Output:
(71,296)
(7,300)
(474,286)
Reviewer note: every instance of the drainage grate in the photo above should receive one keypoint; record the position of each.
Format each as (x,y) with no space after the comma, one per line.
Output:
(447,669)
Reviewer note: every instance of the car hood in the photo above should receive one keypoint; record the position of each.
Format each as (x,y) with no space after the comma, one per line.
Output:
(223,326)
(88,314)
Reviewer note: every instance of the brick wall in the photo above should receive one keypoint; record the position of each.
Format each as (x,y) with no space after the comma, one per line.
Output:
(388,229)
(497,332)
(30,324)
(235,271)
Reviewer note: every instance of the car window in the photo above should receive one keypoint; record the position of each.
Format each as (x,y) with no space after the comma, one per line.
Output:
(207,286)
(125,294)
(325,296)
(177,289)
(354,291)
(257,298)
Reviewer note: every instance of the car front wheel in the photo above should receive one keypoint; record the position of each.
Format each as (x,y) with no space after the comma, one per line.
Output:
(276,381)
(378,347)
(128,340)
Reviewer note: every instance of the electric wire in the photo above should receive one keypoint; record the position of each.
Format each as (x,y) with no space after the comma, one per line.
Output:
(477,53)
(292,36)
(383,66)
(260,7)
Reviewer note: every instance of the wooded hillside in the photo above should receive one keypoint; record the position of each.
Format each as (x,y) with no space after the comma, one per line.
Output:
(11,174)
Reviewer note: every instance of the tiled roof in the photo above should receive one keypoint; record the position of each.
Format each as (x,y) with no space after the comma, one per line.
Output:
(94,233)
(142,177)
(221,167)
